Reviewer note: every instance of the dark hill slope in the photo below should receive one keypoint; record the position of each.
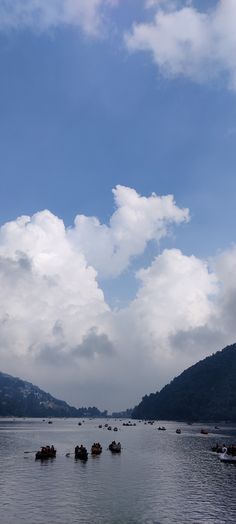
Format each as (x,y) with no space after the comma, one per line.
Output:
(204,392)
(22,399)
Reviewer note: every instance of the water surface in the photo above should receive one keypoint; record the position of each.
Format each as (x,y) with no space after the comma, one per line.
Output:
(159,477)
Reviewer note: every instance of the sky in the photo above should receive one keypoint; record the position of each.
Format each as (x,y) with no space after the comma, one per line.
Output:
(117,200)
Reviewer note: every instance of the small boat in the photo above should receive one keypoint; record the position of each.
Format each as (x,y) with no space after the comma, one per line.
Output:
(96,449)
(204,432)
(161,428)
(81,452)
(228,455)
(109,428)
(115,447)
(46,452)
(79,423)
(100,426)
(178,431)
(50,422)
(115,429)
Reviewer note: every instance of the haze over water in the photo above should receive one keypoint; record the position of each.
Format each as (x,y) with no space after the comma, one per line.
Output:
(159,477)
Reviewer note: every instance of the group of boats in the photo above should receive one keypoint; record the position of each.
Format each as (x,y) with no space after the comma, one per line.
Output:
(80,452)
(225,453)
(108,427)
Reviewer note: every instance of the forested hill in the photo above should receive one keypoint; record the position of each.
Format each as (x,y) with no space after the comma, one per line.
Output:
(19,398)
(204,392)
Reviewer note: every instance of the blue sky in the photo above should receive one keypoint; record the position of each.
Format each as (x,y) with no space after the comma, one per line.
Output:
(80,115)
(82,112)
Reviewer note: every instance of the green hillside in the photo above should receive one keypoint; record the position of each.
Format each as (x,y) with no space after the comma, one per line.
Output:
(19,398)
(204,392)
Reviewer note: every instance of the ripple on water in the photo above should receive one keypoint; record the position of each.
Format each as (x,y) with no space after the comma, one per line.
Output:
(159,477)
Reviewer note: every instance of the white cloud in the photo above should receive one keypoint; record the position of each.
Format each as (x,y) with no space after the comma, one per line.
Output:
(185,41)
(177,289)
(45,285)
(136,221)
(45,14)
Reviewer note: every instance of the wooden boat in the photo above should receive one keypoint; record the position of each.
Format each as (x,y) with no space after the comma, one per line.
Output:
(115,447)
(96,449)
(81,452)
(204,432)
(45,453)
(178,431)
(161,428)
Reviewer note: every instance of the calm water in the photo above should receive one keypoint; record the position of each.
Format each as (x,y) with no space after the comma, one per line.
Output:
(160,477)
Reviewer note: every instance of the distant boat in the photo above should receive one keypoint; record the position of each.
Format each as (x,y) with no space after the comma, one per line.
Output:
(46,452)
(81,452)
(178,431)
(204,431)
(161,428)
(229,455)
(115,447)
(96,449)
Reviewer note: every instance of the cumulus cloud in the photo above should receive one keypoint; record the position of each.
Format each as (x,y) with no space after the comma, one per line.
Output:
(45,14)
(185,41)
(135,222)
(57,330)
(178,290)
(48,274)
(48,292)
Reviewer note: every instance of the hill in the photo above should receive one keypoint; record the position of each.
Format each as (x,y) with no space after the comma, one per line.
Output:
(19,398)
(203,392)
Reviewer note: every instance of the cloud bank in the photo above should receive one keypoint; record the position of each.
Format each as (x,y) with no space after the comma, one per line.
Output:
(56,328)
(185,41)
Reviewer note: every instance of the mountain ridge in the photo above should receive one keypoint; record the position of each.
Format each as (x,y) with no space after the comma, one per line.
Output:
(20,398)
(206,391)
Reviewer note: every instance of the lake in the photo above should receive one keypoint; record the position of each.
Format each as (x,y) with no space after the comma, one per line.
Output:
(159,477)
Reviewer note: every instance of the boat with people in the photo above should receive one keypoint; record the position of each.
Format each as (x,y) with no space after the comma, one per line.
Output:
(161,428)
(46,452)
(204,431)
(96,448)
(81,452)
(115,447)
(229,454)
(178,431)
